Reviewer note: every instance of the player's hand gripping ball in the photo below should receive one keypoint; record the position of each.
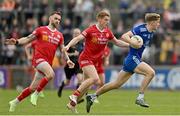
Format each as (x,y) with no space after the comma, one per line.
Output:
(138,41)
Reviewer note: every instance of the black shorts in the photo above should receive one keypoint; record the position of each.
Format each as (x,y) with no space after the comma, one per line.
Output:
(69,72)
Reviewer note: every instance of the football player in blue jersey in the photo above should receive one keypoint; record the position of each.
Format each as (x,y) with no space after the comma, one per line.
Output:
(132,63)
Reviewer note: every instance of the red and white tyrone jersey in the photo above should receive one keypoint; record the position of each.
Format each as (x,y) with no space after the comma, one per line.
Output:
(95,42)
(47,41)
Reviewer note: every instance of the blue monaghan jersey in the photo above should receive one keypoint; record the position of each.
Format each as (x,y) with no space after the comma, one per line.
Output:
(142,31)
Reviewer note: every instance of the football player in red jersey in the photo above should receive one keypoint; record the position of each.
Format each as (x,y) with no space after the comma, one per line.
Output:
(96,39)
(29,49)
(48,39)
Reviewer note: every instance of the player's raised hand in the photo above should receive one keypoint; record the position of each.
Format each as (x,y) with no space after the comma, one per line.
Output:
(11,41)
(70,64)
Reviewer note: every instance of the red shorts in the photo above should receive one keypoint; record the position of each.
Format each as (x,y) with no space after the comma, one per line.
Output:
(84,61)
(38,59)
(35,62)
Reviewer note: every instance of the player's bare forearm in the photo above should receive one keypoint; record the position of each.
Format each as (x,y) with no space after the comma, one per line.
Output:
(120,43)
(127,37)
(75,40)
(64,52)
(25,40)
(66,57)
(69,62)
(21,41)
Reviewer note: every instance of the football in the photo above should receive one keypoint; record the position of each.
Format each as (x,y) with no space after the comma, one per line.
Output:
(138,39)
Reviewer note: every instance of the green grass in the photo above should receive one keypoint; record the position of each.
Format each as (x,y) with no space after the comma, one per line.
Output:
(116,102)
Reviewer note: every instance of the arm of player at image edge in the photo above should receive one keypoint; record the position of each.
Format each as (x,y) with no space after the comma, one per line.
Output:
(119,42)
(127,38)
(66,57)
(73,42)
(20,41)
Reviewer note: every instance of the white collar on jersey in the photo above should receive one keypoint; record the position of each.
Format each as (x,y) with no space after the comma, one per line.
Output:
(51,29)
(99,29)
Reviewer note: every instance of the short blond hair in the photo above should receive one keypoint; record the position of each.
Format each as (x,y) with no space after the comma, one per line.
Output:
(151,17)
(103,13)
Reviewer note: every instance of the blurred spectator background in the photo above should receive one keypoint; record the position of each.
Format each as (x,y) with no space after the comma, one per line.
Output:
(20,17)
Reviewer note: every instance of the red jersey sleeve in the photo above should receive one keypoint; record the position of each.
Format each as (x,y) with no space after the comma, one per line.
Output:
(36,31)
(61,39)
(86,32)
(111,35)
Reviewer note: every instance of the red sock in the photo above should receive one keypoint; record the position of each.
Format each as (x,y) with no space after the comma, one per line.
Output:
(26,92)
(76,93)
(42,84)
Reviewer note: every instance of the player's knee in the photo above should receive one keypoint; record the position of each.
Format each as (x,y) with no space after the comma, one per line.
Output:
(95,80)
(32,89)
(151,74)
(51,75)
(100,84)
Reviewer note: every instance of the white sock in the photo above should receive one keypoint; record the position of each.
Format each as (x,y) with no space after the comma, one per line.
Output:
(16,101)
(36,93)
(94,96)
(140,96)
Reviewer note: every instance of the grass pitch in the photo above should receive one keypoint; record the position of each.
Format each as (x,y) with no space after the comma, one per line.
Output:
(116,102)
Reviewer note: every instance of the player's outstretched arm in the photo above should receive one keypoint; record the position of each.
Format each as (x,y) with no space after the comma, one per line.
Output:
(74,41)
(21,41)
(69,62)
(127,37)
(11,41)
(119,42)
